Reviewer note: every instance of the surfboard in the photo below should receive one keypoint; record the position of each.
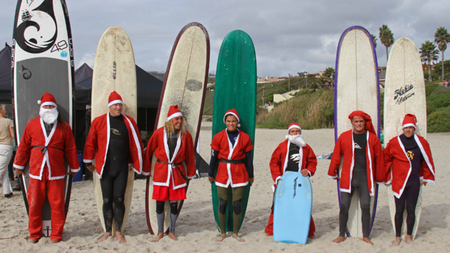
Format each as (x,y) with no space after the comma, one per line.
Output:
(185,86)
(356,88)
(42,62)
(292,208)
(404,93)
(114,70)
(235,88)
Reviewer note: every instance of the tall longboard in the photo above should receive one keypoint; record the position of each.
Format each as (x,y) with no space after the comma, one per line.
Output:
(356,88)
(235,88)
(114,70)
(43,62)
(404,93)
(292,208)
(185,86)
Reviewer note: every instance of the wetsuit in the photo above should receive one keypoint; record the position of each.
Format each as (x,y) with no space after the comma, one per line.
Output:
(115,175)
(412,188)
(358,182)
(237,192)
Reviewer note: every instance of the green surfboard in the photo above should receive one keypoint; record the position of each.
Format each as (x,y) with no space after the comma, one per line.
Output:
(235,88)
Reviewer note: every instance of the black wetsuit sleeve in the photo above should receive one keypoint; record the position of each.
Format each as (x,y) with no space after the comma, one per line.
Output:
(213,162)
(249,162)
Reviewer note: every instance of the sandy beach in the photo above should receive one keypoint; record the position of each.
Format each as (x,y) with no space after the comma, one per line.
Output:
(196,228)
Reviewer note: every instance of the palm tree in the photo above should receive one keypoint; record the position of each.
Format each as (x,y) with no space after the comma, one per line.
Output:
(374,38)
(441,38)
(386,38)
(428,53)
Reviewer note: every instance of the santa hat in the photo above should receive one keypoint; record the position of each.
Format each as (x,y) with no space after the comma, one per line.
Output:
(294,125)
(173,112)
(47,99)
(114,98)
(409,120)
(366,117)
(231,112)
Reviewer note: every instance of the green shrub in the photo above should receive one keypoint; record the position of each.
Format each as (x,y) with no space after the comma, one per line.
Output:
(439,121)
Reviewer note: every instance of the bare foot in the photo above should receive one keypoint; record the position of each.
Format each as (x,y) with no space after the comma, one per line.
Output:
(366,239)
(120,237)
(238,238)
(54,241)
(172,235)
(397,241)
(158,237)
(221,237)
(30,240)
(408,239)
(339,239)
(106,236)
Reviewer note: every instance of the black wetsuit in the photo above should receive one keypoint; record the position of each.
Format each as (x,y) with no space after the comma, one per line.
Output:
(294,157)
(358,182)
(115,175)
(412,188)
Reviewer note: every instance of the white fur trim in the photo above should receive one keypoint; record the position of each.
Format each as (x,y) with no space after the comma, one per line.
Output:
(294,126)
(408,125)
(117,101)
(47,103)
(177,114)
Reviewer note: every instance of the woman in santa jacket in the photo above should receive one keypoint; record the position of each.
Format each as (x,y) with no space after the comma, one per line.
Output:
(232,151)
(408,158)
(284,159)
(172,145)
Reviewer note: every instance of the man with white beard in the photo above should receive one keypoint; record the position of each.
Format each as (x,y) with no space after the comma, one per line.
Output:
(45,142)
(287,157)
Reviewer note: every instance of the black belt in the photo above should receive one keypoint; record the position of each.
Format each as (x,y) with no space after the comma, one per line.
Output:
(44,148)
(232,161)
(174,165)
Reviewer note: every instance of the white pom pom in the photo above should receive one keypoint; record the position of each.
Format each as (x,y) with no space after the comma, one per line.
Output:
(39,102)
(238,125)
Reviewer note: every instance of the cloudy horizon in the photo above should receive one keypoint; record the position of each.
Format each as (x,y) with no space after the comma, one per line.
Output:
(289,36)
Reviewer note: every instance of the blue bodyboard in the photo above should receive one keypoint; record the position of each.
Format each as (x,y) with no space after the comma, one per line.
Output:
(292,208)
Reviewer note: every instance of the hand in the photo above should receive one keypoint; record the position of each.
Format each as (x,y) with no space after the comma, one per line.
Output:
(304,172)
(279,179)
(211,179)
(20,173)
(91,168)
(387,184)
(72,173)
(337,178)
(423,183)
(251,180)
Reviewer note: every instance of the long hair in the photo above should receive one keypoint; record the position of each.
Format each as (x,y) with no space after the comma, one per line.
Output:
(168,126)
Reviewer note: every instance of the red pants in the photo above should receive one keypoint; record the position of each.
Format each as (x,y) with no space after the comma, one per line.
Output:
(269,228)
(54,190)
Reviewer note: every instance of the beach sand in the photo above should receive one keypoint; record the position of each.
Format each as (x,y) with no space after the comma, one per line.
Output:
(196,229)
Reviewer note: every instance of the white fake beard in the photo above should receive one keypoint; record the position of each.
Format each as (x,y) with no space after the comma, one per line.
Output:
(49,116)
(296,139)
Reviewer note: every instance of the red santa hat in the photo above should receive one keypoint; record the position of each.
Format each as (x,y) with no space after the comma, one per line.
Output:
(231,112)
(366,117)
(47,99)
(114,98)
(409,120)
(173,112)
(294,125)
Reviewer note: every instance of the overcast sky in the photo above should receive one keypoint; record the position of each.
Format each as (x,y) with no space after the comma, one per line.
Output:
(290,36)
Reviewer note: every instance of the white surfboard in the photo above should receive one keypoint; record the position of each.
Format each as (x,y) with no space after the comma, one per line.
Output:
(356,88)
(404,93)
(185,86)
(114,70)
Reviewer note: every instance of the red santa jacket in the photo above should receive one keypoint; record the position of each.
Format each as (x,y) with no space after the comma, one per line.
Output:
(98,142)
(59,143)
(234,174)
(374,158)
(162,173)
(396,160)
(279,160)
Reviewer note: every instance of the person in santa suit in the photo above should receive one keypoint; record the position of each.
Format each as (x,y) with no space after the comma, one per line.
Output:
(172,145)
(115,142)
(232,151)
(293,154)
(45,142)
(362,167)
(408,157)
